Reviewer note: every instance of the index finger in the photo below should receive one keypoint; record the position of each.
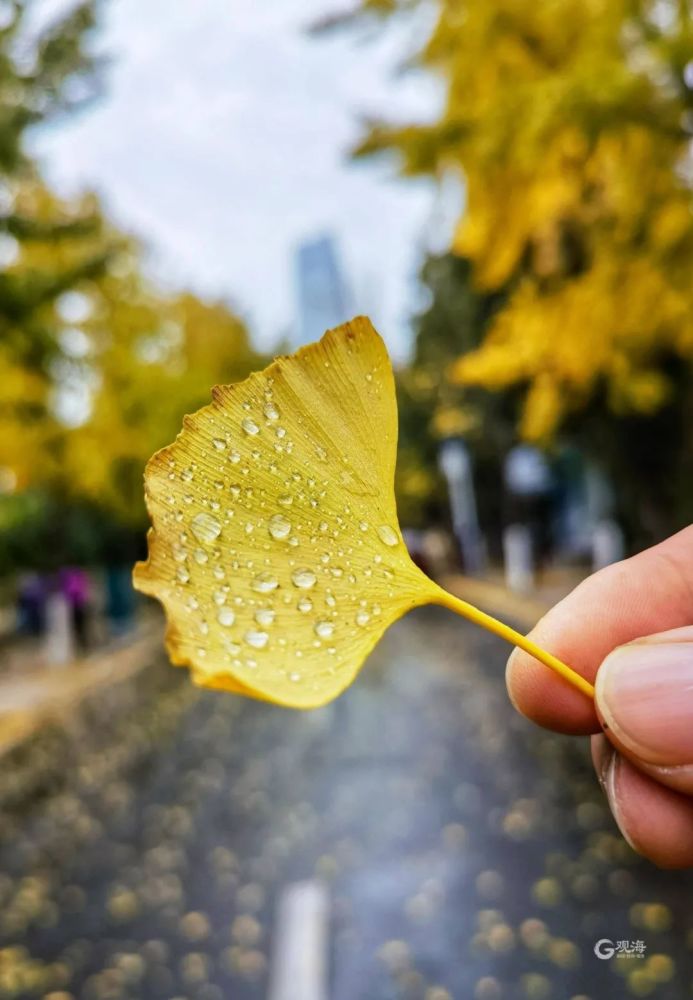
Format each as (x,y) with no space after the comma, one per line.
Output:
(649,593)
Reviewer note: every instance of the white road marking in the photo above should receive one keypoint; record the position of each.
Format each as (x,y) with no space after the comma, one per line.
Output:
(299,960)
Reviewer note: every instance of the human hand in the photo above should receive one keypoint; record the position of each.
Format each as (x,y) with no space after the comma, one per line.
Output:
(630,626)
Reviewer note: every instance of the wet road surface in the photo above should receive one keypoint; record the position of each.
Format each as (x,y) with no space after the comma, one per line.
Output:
(468,855)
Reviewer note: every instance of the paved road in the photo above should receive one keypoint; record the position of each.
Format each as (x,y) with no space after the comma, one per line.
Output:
(467,854)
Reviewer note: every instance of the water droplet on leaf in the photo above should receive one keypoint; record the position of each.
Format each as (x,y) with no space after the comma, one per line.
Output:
(205,528)
(264,583)
(324,629)
(256,639)
(249,426)
(387,535)
(279,526)
(265,616)
(304,579)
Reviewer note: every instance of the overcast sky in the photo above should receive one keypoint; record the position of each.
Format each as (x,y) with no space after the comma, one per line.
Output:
(222,142)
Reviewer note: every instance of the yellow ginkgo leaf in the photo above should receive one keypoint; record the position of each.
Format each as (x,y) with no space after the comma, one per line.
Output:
(275,547)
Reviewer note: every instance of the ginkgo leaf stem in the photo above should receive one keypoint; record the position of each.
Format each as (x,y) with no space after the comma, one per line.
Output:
(516,638)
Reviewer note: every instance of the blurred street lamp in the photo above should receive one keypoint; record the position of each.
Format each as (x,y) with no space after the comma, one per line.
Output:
(455,463)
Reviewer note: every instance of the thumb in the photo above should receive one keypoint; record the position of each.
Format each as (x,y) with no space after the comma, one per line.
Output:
(644,697)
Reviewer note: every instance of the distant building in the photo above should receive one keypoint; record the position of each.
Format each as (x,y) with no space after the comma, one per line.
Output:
(323,301)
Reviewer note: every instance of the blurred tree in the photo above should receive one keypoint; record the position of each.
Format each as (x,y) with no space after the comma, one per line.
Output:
(46,246)
(97,366)
(46,72)
(434,408)
(129,362)
(571,123)
(38,344)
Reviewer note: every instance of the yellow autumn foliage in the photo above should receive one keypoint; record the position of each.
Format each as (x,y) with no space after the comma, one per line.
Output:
(570,123)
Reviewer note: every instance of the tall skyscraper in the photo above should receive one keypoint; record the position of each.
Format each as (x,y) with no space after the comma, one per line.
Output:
(323,300)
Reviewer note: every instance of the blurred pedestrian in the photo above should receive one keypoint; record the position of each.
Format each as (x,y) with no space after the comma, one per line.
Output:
(74,584)
(31,605)
(58,640)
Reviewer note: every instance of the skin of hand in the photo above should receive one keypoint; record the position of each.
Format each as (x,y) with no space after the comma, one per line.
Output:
(629,630)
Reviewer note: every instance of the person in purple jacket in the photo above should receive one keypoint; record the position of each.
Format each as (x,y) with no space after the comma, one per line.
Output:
(74,584)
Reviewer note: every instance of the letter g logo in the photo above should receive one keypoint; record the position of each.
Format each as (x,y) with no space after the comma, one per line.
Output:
(604,948)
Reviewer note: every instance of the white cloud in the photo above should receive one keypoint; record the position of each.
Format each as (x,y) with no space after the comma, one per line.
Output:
(223,142)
